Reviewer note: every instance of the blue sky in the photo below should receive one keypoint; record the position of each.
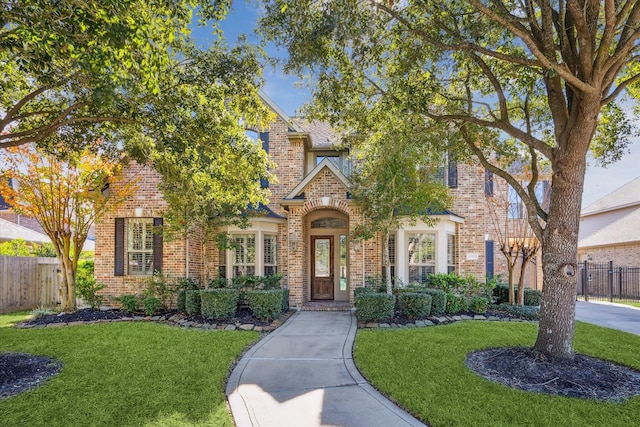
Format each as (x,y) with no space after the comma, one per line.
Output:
(290,96)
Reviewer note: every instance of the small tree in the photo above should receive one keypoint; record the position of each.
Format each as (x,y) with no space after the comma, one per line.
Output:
(65,194)
(390,188)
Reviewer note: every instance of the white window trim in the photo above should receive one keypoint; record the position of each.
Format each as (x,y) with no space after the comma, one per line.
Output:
(148,252)
(259,229)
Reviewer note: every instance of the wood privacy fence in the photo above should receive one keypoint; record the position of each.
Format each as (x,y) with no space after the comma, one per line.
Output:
(28,282)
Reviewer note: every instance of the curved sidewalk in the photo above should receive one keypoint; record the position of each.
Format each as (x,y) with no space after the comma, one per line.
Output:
(609,315)
(303,375)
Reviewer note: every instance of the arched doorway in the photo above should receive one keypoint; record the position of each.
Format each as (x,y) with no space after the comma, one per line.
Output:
(328,255)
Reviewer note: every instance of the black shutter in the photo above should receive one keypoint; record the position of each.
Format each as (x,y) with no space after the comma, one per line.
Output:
(488,252)
(264,137)
(452,172)
(157,244)
(119,248)
(488,183)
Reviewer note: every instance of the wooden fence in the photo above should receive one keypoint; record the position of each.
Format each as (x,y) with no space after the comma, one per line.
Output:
(28,282)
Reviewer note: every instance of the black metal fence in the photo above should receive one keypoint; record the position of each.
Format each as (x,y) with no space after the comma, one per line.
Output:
(605,281)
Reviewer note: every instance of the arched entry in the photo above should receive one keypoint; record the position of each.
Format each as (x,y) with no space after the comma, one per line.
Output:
(328,255)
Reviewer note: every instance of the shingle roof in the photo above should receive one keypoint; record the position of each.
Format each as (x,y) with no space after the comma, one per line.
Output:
(13,231)
(321,134)
(627,195)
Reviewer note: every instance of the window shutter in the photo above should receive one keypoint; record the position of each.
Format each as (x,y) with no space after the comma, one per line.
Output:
(489,250)
(488,183)
(264,137)
(157,244)
(119,248)
(452,172)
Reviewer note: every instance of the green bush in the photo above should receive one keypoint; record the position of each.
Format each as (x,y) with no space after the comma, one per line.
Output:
(361,291)
(220,304)
(456,303)
(522,311)
(151,305)
(130,303)
(438,300)
(192,301)
(184,285)
(219,283)
(532,297)
(478,305)
(265,304)
(181,301)
(375,307)
(271,282)
(86,286)
(285,300)
(415,305)
(449,283)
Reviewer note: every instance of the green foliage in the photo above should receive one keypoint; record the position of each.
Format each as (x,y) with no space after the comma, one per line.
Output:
(86,286)
(159,286)
(438,300)
(192,301)
(374,307)
(185,284)
(522,311)
(219,283)
(16,247)
(250,282)
(266,304)
(360,291)
(46,250)
(456,303)
(41,311)
(130,303)
(152,305)
(285,300)
(478,305)
(532,297)
(220,304)
(446,282)
(415,305)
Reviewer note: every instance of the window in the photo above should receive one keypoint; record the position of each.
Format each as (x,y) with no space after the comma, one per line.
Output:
(270,255)
(341,160)
(488,183)
(140,246)
(451,253)
(392,258)
(422,251)
(343,262)
(222,263)
(446,172)
(516,207)
(329,223)
(244,259)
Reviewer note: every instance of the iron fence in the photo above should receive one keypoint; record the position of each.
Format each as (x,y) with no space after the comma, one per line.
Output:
(605,281)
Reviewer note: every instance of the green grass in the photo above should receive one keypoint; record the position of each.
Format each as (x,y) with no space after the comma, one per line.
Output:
(424,371)
(125,374)
(10,319)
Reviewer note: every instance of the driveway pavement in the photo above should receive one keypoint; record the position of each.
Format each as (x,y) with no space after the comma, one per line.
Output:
(615,316)
(303,375)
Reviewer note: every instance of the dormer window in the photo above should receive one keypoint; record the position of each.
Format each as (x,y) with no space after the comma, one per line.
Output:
(340,159)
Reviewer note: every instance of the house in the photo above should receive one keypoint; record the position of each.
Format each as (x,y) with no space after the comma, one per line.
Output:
(304,233)
(609,228)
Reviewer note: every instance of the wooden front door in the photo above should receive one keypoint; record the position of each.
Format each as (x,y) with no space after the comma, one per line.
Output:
(322,267)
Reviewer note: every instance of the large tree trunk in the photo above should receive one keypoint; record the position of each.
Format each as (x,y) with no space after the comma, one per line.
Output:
(523,272)
(68,286)
(560,236)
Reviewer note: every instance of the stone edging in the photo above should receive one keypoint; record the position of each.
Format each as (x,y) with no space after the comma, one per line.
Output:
(178,320)
(433,321)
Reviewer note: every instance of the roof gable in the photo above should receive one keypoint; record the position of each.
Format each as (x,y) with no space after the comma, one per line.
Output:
(326,163)
(627,195)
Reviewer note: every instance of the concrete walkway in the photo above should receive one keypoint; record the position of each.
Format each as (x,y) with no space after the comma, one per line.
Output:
(303,375)
(609,315)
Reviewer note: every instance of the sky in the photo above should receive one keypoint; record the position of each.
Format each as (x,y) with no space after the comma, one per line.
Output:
(289,95)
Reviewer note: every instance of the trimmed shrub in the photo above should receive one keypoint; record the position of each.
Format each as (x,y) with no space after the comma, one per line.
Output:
(438,300)
(532,297)
(285,300)
(181,301)
(130,303)
(265,304)
(219,283)
(456,304)
(447,282)
(192,301)
(478,305)
(523,311)
(361,291)
(371,306)
(86,286)
(415,305)
(219,304)
(151,305)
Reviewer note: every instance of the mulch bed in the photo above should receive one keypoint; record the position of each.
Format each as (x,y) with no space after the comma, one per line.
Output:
(20,372)
(583,377)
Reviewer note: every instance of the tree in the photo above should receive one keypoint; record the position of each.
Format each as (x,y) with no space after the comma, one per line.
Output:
(65,197)
(514,78)
(395,180)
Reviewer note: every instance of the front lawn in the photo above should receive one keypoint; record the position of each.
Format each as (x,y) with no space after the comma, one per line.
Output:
(424,371)
(125,374)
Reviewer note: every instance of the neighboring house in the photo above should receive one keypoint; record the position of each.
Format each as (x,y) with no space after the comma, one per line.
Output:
(609,228)
(304,232)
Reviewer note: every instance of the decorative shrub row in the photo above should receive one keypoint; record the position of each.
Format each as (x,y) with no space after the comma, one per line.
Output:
(415,305)
(456,304)
(374,307)
(218,304)
(532,297)
(438,300)
(131,304)
(523,311)
(478,305)
(266,304)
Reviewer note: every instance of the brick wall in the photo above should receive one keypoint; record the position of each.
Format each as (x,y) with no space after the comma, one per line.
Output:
(621,255)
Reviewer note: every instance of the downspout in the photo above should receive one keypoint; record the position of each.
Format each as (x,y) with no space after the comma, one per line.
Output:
(186,250)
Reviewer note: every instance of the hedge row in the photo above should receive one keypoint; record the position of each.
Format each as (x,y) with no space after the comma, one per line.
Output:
(374,307)
(532,297)
(222,303)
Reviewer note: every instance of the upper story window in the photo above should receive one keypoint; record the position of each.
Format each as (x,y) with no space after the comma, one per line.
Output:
(517,209)
(252,134)
(341,159)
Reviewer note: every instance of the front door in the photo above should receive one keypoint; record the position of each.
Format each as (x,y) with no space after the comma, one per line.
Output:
(322,267)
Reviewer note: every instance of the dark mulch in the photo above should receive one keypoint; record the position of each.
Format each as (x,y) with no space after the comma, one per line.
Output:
(21,372)
(583,377)
(400,319)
